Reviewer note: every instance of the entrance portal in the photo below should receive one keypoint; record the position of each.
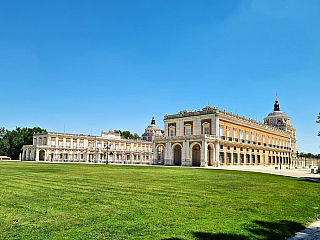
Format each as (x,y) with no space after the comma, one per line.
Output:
(42,155)
(196,155)
(177,155)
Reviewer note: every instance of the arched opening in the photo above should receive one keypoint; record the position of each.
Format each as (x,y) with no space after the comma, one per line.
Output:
(210,155)
(160,155)
(177,155)
(42,155)
(196,155)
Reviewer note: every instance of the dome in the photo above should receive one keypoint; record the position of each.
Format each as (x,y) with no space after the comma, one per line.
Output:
(277,114)
(276,111)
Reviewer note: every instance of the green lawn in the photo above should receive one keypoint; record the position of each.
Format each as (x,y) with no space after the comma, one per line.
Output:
(83,201)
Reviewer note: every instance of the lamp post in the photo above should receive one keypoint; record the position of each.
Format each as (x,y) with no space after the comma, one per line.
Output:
(107,147)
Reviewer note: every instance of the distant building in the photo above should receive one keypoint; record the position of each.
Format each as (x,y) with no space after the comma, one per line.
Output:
(151,131)
(211,137)
(64,147)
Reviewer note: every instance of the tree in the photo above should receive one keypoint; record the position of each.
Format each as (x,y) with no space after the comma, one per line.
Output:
(127,134)
(11,142)
(318,121)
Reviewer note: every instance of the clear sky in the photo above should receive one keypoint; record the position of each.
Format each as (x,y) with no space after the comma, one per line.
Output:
(87,66)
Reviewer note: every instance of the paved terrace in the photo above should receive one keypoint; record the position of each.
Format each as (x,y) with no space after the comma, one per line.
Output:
(297,173)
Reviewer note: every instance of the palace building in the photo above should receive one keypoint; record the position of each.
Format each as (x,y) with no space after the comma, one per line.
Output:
(110,146)
(211,137)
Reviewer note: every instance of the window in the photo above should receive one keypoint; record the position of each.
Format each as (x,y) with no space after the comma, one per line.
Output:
(206,130)
(60,142)
(241,149)
(247,136)
(74,143)
(241,135)
(235,148)
(257,137)
(252,137)
(228,132)
(221,130)
(234,133)
(263,139)
(171,132)
(228,147)
(188,131)
(253,150)
(221,146)
(53,142)
(247,149)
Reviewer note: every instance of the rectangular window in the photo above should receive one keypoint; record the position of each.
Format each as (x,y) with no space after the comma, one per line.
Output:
(252,137)
(206,130)
(188,131)
(221,146)
(263,139)
(235,148)
(247,136)
(241,135)
(172,132)
(53,142)
(60,143)
(221,131)
(234,133)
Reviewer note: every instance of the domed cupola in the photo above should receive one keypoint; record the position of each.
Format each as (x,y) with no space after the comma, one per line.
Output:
(151,131)
(277,118)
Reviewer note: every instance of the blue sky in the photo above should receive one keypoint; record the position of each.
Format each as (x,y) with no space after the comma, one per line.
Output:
(89,66)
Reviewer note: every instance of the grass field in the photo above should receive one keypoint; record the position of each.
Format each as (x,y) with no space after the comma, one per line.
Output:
(83,201)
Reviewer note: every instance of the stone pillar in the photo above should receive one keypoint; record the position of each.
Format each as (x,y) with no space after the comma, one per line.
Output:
(217,151)
(204,154)
(168,155)
(185,154)
(37,155)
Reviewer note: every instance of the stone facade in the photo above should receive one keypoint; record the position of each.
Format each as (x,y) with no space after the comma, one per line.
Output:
(211,137)
(63,147)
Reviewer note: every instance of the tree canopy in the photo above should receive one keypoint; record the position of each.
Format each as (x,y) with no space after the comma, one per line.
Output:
(11,142)
(127,134)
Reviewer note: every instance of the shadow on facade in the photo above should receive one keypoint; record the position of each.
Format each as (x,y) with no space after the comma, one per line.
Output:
(259,229)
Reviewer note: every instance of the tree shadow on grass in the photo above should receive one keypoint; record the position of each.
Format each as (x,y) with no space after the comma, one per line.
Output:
(259,230)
